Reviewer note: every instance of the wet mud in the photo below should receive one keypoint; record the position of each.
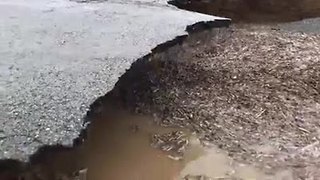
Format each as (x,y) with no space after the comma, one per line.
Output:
(258,11)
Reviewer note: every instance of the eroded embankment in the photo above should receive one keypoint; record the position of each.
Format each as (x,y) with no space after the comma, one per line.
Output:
(58,162)
(260,11)
(253,91)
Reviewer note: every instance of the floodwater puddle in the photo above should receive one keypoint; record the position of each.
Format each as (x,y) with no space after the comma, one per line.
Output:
(135,148)
(120,148)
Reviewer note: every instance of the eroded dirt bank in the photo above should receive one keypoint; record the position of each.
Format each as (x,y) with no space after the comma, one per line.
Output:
(251,91)
(261,11)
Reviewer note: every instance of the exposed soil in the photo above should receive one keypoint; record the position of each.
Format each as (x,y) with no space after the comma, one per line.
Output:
(260,11)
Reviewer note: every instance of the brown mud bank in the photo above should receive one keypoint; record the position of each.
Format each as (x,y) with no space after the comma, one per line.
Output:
(259,11)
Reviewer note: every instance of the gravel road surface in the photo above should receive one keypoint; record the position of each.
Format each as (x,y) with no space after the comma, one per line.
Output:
(310,26)
(58,56)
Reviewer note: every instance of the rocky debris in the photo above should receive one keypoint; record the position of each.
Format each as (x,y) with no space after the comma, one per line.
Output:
(174,143)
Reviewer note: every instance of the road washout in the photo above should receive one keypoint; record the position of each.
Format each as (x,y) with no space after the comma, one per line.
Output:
(251,92)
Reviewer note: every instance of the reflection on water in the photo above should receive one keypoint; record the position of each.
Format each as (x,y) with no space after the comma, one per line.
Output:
(119,149)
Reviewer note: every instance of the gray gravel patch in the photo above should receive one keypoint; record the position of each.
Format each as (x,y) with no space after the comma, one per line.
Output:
(57,57)
(306,26)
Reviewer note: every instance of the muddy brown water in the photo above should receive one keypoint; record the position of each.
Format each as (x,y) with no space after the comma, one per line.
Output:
(119,148)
